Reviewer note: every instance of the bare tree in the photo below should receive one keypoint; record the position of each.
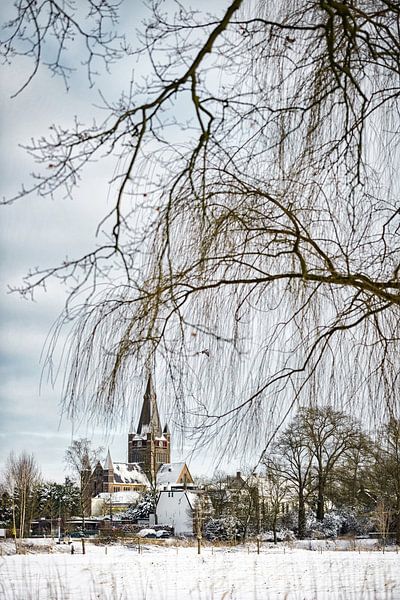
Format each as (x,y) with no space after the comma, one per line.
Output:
(217,491)
(351,481)
(81,459)
(382,517)
(253,235)
(386,474)
(330,436)
(292,461)
(279,491)
(21,477)
(33,24)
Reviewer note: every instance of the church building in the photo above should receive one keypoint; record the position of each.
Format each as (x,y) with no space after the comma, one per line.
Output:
(149,458)
(150,446)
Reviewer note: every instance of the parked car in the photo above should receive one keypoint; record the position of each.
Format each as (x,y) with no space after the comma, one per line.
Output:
(147,533)
(163,533)
(77,534)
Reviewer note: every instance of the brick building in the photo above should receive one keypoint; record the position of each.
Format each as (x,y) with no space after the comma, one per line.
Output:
(150,445)
(149,458)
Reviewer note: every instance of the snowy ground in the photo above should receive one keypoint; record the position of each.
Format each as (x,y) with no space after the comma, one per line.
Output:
(166,573)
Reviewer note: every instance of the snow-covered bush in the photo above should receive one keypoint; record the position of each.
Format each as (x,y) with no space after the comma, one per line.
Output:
(289,520)
(328,528)
(224,529)
(354,523)
(282,535)
(339,522)
(142,509)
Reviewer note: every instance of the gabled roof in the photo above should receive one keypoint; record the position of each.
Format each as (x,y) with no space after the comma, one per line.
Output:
(173,474)
(149,421)
(191,497)
(130,473)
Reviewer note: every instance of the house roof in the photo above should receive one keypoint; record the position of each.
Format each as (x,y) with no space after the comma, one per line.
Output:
(129,473)
(170,473)
(191,497)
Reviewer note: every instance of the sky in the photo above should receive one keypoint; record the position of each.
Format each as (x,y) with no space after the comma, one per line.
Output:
(41,232)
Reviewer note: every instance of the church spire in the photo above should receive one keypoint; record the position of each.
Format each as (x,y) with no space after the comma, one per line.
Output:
(149,421)
(109,463)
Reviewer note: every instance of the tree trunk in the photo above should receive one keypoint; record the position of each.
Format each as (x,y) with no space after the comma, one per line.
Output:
(22,514)
(320,501)
(301,518)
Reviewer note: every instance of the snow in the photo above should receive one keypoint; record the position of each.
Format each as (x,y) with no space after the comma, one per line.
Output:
(172,573)
(142,436)
(168,474)
(192,498)
(130,473)
(144,532)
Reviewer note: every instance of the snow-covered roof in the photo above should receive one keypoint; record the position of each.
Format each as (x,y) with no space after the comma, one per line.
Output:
(130,473)
(169,473)
(192,498)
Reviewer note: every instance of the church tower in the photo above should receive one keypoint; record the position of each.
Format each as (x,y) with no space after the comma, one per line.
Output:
(150,445)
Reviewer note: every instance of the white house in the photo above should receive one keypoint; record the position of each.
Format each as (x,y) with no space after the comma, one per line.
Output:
(175,508)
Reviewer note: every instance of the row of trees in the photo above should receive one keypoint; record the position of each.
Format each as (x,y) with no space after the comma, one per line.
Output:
(24,495)
(21,480)
(321,460)
(49,500)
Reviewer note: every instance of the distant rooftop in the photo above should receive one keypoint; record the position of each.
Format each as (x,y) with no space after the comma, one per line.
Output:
(130,473)
(168,474)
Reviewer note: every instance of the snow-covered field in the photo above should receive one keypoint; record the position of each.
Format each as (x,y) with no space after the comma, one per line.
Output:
(168,572)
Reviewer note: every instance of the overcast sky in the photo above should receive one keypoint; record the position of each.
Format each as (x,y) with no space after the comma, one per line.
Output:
(42,232)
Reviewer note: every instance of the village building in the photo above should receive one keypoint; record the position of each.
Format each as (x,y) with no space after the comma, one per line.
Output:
(118,477)
(176,509)
(149,465)
(174,476)
(150,445)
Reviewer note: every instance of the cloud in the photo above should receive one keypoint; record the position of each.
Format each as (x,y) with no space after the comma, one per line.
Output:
(42,232)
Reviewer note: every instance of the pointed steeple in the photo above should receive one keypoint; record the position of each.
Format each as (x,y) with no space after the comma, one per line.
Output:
(149,421)
(108,466)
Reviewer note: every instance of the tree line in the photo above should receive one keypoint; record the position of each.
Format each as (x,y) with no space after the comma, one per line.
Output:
(321,462)
(26,496)
(323,473)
